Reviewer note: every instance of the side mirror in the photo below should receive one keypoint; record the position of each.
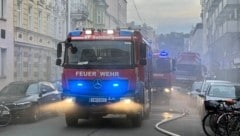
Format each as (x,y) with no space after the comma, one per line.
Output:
(198,90)
(58,62)
(174,65)
(74,50)
(143,62)
(143,50)
(201,95)
(59,50)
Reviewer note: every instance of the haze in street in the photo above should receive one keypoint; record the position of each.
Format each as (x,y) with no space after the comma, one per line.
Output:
(166,15)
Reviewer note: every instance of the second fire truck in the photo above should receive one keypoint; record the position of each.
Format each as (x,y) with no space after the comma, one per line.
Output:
(163,75)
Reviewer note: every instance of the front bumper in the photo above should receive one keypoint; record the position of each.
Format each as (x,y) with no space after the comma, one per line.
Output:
(102,105)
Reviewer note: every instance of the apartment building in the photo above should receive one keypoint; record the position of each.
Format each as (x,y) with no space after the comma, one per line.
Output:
(38,26)
(221,19)
(6,42)
(98,13)
(116,15)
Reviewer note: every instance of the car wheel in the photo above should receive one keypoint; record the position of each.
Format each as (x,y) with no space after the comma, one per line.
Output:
(35,114)
(136,120)
(71,120)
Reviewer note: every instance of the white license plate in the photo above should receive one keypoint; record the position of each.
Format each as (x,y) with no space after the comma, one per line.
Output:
(98,100)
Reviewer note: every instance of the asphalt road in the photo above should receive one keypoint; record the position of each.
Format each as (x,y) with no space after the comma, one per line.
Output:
(189,125)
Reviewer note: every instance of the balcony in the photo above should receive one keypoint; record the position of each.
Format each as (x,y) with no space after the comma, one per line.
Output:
(226,10)
(231,26)
(212,5)
(79,12)
(231,3)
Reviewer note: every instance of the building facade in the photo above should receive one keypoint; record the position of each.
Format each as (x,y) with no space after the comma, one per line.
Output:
(100,14)
(116,15)
(6,42)
(38,26)
(87,14)
(196,39)
(221,27)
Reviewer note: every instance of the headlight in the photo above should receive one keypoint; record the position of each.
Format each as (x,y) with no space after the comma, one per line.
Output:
(126,100)
(70,99)
(166,90)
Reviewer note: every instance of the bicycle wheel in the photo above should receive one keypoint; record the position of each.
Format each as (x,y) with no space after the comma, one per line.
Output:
(223,124)
(209,124)
(5,116)
(234,125)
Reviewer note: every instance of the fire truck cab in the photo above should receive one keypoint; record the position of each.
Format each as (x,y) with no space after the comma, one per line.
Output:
(105,72)
(163,76)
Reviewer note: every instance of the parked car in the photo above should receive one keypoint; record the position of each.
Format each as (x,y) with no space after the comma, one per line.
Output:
(220,91)
(58,85)
(194,92)
(26,98)
(195,88)
(202,91)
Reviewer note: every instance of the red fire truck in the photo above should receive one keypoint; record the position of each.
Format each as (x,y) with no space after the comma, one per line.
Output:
(189,68)
(105,72)
(163,75)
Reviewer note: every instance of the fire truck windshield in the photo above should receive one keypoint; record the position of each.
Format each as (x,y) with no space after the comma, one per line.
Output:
(162,66)
(190,69)
(100,53)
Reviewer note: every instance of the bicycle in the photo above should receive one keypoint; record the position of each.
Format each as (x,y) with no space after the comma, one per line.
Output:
(5,116)
(220,119)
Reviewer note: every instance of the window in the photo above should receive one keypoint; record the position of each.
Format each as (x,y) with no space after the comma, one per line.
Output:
(100,17)
(19,13)
(2,62)
(55,26)
(48,24)
(30,17)
(2,8)
(39,20)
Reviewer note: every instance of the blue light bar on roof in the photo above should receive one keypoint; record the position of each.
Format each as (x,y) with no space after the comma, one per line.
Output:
(75,33)
(125,32)
(163,53)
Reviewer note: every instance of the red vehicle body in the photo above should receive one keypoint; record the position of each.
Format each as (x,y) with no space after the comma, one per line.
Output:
(189,69)
(106,72)
(163,74)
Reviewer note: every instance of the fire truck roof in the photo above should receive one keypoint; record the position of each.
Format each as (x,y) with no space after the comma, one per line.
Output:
(102,32)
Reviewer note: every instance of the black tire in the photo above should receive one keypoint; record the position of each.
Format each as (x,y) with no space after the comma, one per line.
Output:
(71,120)
(35,114)
(5,116)
(234,126)
(210,126)
(136,120)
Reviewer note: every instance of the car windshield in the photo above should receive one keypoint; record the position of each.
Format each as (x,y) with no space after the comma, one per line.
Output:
(224,91)
(14,90)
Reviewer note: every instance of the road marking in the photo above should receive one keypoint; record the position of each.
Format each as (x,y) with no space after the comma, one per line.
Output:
(168,120)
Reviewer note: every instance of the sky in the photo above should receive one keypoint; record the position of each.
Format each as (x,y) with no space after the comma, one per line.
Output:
(166,15)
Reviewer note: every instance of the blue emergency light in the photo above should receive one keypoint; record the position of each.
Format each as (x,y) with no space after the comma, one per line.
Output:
(75,33)
(125,32)
(163,53)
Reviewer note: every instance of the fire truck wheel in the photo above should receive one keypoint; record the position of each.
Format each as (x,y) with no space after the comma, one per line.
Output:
(136,120)
(71,120)
(147,114)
